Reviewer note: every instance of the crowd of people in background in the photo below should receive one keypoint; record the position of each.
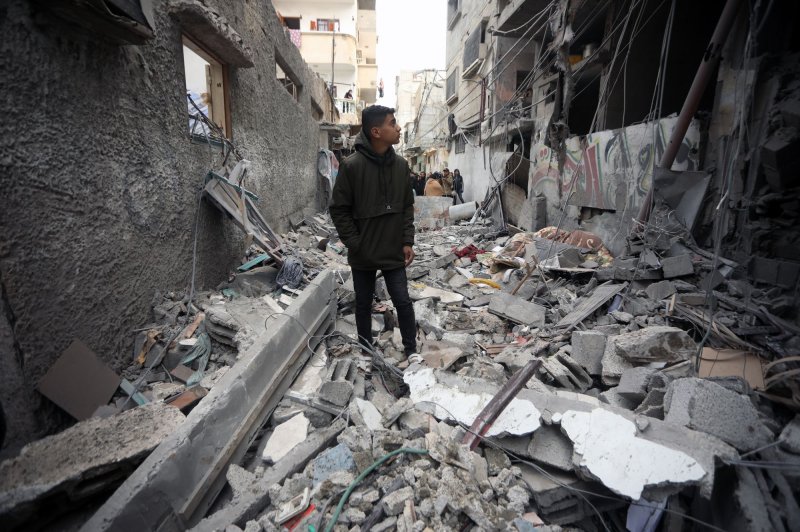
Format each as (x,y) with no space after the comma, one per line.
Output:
(439,184)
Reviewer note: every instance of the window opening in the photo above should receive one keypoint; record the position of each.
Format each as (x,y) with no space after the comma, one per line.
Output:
(325,24)
(206,91)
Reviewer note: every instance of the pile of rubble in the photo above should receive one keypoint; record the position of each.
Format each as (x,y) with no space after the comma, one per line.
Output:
(661,392)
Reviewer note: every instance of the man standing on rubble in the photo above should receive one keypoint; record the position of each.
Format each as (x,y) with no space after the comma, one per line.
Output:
(373,211)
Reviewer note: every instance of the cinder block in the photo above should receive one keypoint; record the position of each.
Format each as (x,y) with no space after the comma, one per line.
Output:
(587,350)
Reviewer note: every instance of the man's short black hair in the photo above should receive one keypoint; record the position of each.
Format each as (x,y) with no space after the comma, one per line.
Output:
(373,116)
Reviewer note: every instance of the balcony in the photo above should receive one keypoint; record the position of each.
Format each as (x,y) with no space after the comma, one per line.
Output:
(316,48)
(348,111)
(514,14)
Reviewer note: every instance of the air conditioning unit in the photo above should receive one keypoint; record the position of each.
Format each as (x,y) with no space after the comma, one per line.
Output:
(475,47)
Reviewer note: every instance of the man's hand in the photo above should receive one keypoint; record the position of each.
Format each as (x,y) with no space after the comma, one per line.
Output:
(409,254)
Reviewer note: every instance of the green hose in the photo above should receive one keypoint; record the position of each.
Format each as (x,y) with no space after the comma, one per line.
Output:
(361,477)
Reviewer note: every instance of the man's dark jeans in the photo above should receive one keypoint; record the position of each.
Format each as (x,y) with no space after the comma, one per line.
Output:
(397,286)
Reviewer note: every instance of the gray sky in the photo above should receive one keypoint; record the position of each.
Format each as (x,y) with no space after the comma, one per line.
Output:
(411,36)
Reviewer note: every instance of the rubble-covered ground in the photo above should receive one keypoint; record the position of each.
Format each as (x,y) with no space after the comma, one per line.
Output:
(652,406)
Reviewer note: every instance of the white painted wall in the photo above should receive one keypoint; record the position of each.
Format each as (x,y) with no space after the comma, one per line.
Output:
(345,10)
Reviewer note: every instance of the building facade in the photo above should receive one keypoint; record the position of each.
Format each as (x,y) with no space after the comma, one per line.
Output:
(338,40)
(101,194)
(422,113)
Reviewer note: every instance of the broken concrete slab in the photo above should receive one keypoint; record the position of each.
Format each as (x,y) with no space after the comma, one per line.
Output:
(613,364)
(284,438)
(551,447)
(82,460)
(219,430)
(790,436)
(517,309)
(677,266)
(610,451)
(660,290)
(445,296)
(430,395)
(515,357)
(587,350)
(703,405)
(658,343)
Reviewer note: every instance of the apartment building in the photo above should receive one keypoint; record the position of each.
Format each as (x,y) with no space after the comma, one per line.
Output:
(338,40)
(422,113)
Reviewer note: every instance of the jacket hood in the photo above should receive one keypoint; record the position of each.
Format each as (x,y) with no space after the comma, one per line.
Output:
(363,146)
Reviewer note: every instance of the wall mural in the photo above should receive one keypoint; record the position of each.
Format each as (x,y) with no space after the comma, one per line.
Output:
(610,168)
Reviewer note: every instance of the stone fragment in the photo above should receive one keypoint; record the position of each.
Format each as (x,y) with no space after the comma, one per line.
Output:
(285,437)
(496,460)
(622,317)
(549,446)
(657,343)
(790,436)
(385,525)
(708,407)
(517,309)
(612,363)
(400,407)
(514,357)
(338,385)
(587,350)
(333,460)
(612,397)
(660,290)
(633,383)
(363,412)
(677,266)
(395,502)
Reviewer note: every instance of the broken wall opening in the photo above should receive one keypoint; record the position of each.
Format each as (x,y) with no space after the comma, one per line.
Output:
(631,81)
(285,77)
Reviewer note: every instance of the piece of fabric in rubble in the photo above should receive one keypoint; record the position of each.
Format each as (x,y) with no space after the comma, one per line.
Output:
(291,273)
(578,238)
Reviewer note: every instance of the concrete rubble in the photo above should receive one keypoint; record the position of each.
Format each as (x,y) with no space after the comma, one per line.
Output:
(358,441)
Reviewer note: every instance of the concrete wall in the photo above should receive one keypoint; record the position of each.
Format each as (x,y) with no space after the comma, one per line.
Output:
(99,182)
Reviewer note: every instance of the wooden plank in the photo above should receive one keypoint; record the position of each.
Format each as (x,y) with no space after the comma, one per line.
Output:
(599,296)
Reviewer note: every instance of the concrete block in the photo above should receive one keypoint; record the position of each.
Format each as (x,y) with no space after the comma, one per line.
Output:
(395,502)
(633,383)
(677,266)
(612,397)
(517,309)
(338,385)
(549,446)
(397,409)
(566,372)
(587,350)
(284,438)
(514,357)
(703,405)
(655,344)
(660,290)
(613,364)
(85,455)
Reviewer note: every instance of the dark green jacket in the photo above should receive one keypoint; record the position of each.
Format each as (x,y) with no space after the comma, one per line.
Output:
(373,208)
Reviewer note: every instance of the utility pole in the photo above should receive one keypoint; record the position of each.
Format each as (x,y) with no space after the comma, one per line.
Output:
(333,56)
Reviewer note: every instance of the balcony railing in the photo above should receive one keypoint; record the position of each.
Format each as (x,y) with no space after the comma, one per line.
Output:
(346,105)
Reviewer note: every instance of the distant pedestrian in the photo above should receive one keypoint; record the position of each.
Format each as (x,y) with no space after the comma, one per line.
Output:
(458,186)
(348,95)
(380,89)
(447,182)
(419,184)
(433,187)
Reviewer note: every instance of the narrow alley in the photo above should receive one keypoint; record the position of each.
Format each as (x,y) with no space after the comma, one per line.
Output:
(579,217)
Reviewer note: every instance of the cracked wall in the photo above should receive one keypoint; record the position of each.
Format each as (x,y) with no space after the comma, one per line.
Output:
(100,182)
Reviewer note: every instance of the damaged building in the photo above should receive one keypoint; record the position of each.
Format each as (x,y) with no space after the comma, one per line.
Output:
(607,330)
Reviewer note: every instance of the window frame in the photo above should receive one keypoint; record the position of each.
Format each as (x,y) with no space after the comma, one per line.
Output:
(220,71)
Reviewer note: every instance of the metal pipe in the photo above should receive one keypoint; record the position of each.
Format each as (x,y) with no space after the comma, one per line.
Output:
(707,67)
(502,398)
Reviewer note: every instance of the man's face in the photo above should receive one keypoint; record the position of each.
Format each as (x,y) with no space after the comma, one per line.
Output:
(422,174)
(389,130)
(446,173)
